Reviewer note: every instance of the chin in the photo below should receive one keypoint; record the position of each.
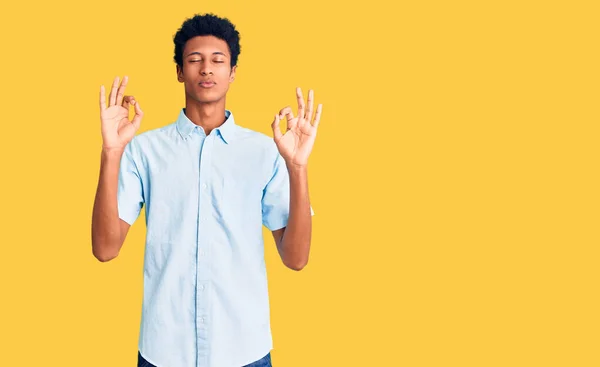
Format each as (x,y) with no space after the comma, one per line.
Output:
(207,96)
(204,99)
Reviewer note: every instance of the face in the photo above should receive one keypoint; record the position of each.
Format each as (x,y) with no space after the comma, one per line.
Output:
(207,70)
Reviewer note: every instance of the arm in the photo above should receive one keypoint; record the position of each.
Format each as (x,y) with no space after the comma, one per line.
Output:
(295,146)
(293,241)
(108,230)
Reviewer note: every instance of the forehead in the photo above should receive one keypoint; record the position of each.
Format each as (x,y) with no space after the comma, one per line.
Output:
(205,44)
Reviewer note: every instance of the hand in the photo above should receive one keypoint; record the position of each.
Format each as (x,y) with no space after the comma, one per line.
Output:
(117,130)
(297,142)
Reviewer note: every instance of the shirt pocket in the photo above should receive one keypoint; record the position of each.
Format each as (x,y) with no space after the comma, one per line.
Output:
(241,198)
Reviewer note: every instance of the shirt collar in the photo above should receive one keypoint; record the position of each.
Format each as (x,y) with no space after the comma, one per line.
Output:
(227,129)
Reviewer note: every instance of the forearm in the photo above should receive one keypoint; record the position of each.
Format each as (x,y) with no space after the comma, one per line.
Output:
(296,239)
(106,226)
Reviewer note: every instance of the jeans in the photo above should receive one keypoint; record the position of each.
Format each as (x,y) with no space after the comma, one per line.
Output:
(263,362)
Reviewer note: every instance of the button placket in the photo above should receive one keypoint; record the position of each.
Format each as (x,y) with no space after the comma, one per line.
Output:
(203,264)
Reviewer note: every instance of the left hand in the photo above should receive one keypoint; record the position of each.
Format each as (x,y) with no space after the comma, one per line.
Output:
(297,142)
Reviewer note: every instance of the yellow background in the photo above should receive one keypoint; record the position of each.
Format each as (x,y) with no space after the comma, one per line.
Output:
(454,178)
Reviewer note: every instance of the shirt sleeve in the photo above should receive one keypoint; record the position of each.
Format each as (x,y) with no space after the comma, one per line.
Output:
(130,196)
(276,197)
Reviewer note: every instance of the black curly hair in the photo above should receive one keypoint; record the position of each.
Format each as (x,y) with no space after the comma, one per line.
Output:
(207,25)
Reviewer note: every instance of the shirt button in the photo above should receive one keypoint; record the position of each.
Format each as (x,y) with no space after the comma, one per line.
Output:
(204,186)
(202,287)
(202,320)
(201,252)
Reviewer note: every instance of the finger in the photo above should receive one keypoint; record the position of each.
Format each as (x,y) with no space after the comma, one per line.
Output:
(300,103)
(137,119)
(127,101)
(121,90)
(276,129)
(289,114)
(286,111)
(318,116)
(112,97)
(309,110)
(102,98)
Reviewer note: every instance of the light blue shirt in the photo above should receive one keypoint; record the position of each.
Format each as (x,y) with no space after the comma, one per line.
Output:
(206,199)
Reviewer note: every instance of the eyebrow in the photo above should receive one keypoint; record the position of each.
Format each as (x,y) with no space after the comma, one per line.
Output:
(198,53)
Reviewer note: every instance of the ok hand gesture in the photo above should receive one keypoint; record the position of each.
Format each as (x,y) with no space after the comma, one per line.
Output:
(297,142)
(117,130)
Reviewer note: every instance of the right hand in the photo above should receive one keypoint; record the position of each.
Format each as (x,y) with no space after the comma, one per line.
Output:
(117,130)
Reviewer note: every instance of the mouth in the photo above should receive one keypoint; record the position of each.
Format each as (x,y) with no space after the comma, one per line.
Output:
(207,84)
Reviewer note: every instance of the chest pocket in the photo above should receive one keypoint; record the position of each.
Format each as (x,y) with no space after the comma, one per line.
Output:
(241,197)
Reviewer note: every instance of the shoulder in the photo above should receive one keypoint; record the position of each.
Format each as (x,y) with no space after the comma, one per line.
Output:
(153,134)
(146,139)
(244,133)
(253,139)
(146,142)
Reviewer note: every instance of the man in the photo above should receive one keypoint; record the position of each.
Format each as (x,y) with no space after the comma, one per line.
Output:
(208,185)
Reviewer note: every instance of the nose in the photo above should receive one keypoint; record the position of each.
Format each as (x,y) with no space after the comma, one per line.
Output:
(205,69)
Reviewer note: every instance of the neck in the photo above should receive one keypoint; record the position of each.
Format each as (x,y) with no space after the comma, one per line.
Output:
(206,115)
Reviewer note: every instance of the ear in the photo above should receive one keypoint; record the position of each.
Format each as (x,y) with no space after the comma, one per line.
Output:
(179,74)
(232,74)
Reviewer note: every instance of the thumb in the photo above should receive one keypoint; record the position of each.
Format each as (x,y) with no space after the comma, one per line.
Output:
(137,119)
(276,130)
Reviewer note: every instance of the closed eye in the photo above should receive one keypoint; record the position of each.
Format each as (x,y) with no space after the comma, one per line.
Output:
(219,62)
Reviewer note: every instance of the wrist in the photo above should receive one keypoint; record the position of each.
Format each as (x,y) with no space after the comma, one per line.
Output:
(294,167)
(112,151)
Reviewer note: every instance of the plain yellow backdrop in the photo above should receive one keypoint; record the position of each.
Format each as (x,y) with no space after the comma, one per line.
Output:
(454,178)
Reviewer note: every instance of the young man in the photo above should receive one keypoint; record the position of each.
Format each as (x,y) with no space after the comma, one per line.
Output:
(208,186)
